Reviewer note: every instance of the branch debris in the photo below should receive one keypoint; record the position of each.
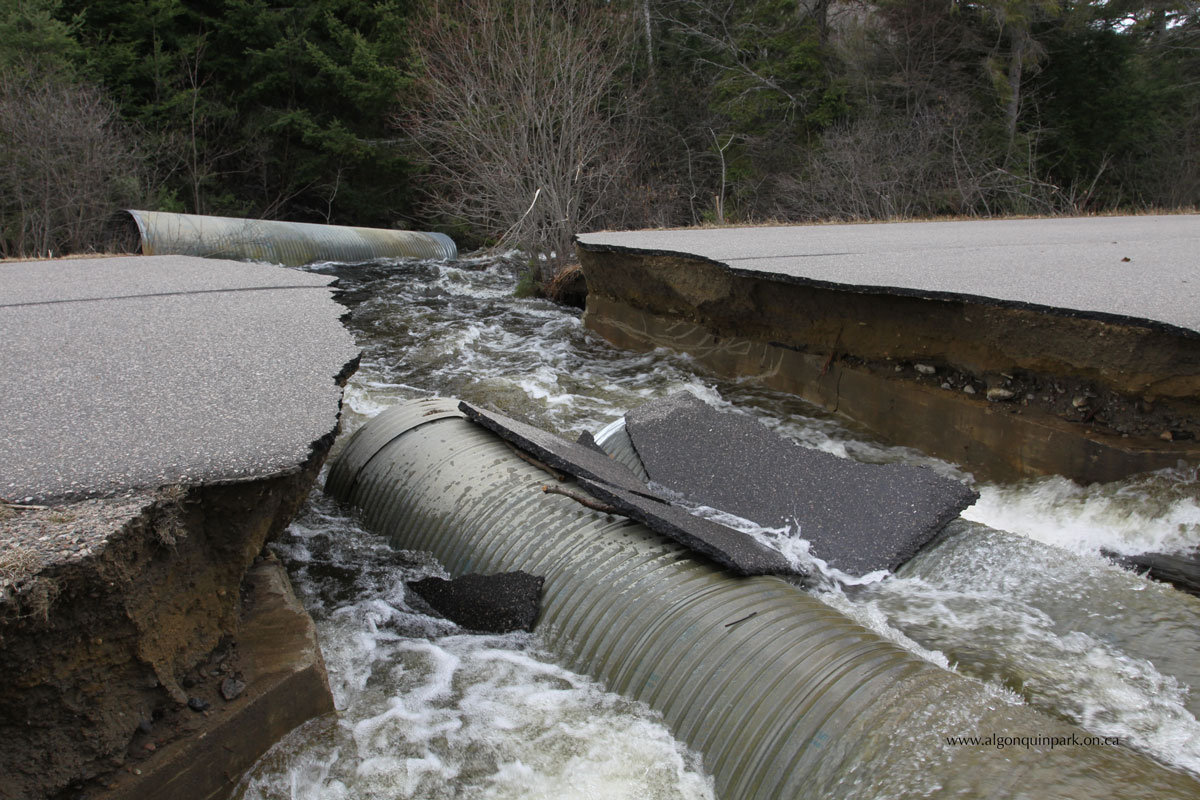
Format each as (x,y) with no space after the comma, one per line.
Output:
(582,499)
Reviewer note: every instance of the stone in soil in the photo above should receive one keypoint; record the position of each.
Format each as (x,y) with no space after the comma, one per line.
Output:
(231,688)
(200,756)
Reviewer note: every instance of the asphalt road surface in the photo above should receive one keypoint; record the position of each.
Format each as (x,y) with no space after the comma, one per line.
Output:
(1137,269)
(127,373)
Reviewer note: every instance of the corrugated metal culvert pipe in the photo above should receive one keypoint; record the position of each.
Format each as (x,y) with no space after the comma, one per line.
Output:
(289,243)
(782,695)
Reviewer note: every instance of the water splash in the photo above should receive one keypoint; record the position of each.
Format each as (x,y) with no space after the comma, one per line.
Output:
(436,328)
(1158,512)
(425,711)
(1072,635)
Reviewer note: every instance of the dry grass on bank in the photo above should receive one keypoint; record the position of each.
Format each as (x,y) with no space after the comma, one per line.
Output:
(778,223)
(68,257)
(561,284)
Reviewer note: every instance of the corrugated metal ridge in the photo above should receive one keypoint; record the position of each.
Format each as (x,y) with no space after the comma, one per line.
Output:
(615,441)
(369,440)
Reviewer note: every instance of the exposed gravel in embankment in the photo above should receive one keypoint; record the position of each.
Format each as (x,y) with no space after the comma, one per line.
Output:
(33,540)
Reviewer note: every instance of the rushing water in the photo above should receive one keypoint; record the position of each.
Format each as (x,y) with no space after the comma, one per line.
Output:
(1015,594)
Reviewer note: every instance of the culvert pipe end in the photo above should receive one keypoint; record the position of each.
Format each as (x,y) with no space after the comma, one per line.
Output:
(784,696)
(292,244)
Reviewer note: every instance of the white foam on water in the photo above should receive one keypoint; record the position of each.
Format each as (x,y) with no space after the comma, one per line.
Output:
(542,384)
(872,617)
(364,402)
(436,328)
(1071,634)
(425,711)
(827,580)
(983,614)
(1074,675)
(463,283)
(475,716)
(1154,513)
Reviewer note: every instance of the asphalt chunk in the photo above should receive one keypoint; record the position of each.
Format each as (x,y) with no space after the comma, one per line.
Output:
(730,548)
(858,517)
(571,458)
(501,603)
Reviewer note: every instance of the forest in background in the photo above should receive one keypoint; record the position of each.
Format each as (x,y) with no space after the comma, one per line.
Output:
(522,122)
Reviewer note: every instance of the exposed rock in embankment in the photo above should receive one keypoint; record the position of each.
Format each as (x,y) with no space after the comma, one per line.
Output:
(1004,388)
(248,694)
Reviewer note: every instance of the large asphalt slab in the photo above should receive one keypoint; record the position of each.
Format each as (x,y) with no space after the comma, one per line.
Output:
(856,517)
(1140,269)
(118,374)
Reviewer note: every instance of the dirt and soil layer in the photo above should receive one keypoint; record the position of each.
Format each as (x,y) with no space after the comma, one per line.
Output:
(1067,397)
(112,610)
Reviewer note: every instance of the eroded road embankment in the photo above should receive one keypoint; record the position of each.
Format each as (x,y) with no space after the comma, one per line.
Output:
(165,417)
(1013,348)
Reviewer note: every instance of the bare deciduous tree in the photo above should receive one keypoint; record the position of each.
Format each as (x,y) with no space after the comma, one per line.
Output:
(919,164)
(523,125)
(66,163)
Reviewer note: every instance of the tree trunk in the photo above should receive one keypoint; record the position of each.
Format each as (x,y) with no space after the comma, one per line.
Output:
(820,15)
(1015,67)
(649,36)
